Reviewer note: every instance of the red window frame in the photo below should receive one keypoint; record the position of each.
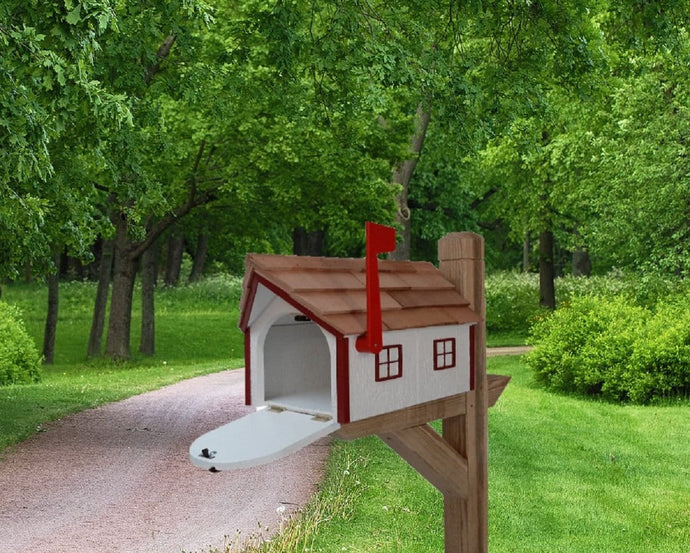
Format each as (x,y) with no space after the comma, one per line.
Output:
(389,363)
(444,354)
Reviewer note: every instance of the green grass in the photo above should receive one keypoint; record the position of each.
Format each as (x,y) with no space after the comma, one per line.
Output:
(504,338)
(196,333)
(566,474)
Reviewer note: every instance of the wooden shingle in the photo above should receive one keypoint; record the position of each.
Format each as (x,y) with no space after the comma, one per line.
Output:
(333,291)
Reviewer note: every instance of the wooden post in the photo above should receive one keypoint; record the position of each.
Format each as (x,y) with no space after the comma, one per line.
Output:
(461,260)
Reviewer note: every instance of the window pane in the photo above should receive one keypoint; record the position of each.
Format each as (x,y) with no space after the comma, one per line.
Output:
(444,354)
(389,363)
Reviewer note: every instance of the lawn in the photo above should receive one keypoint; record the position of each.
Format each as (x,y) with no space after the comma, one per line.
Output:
(566,474)
(196,333)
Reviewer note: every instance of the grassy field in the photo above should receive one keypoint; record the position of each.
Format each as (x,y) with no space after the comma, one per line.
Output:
(566,475)
(196,333)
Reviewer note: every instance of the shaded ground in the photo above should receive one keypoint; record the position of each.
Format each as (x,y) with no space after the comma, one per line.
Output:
(117,478)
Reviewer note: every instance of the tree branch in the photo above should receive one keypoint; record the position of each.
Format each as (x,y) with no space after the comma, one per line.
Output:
(171,218)
(162,54)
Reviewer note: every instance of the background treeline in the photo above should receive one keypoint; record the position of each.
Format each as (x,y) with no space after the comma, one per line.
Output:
(134,136)
(614,336)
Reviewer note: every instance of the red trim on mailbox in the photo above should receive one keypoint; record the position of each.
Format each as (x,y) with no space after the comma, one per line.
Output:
(342,375)
(244,315)
(473,356)
(282,294)
(247,369)
(389,363)
(444,354)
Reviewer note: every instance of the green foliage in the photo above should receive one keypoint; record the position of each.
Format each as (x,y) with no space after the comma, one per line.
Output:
(20,362)
(660,363)
(612,348)
(579,346)
(637,148)
(512,298)
(512,301)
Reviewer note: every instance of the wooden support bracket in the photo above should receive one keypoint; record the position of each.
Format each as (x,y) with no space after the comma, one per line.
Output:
(432,457)
(419,414)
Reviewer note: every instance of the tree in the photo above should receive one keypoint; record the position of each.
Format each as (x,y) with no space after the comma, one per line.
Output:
(48,63)
(141,199)
(642,214)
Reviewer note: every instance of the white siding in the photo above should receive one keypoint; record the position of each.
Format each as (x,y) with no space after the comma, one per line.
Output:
(419,383)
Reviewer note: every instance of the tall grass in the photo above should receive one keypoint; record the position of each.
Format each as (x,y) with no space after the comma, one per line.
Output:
(335,500)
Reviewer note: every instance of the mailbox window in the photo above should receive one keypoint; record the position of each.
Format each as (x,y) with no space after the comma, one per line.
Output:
(444,354)
(389,363)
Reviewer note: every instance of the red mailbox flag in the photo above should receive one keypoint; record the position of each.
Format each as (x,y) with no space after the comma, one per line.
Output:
(380,239)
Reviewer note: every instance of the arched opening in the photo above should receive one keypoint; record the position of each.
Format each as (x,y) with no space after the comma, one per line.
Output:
(297,366)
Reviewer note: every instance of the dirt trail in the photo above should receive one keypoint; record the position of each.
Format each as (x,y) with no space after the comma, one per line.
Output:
(117,478)
(507,350)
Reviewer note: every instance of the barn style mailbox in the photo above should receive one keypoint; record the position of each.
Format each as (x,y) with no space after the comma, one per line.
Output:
(331,341)
(358,347)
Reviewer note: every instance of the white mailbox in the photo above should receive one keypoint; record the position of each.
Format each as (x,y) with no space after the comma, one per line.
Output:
(330,341)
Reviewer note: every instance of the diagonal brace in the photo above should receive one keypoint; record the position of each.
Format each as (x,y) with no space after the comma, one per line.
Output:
(434,458)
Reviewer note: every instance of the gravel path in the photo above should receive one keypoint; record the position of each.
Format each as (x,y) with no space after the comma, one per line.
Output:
(507,350)
(117,478)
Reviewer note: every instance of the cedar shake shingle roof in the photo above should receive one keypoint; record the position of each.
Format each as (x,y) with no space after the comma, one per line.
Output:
(332,291)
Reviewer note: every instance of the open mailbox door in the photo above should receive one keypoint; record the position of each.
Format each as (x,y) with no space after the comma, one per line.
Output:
(258,438)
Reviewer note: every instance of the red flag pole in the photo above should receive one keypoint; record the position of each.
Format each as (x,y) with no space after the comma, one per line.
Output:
(380,239)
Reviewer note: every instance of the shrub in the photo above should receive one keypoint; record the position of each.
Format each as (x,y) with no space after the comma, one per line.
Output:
(208,292)
(611,348)
(644,290)
(580,345)
(512,301)
(512,298)
(660,363)
(20,362)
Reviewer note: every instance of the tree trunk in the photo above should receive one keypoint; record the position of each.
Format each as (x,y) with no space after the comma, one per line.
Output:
(92,269)
(525,254)
(124,273)
(582,264)
(174,261)
(52,314)
(308,243)
(402,176)
(101,303)
(547,289)
(147,343)
(199,257)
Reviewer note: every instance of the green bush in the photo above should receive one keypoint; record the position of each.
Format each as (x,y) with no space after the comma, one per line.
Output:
(643,290)
(512,298)
(208,292)
(610,348)
(660,363)
(512,301)
(19,360)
